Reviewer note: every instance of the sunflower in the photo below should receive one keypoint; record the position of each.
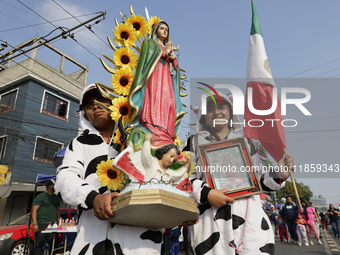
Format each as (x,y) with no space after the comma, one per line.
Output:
(119,108)
(192,163)
(122,81)
(153,21)
(177,141)
(125,57)
(116,138)
(109,176)
(139,23)
(125,33)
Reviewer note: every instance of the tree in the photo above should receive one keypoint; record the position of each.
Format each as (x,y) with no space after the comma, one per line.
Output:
(288,190)
(303,190)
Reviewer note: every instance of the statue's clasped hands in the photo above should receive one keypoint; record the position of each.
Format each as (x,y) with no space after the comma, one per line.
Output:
(170,50)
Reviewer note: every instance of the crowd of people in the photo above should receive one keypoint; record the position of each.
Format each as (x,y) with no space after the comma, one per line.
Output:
(301,223)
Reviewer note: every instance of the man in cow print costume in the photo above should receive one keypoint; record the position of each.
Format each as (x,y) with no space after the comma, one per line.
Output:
(77,185)
(227,226)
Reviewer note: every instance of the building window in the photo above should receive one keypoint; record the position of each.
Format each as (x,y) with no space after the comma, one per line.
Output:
(45,149)
(55,106)
(7,101)
(3,140)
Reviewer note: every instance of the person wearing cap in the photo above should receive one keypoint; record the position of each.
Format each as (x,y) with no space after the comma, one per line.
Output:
(273,214)
(227,225)
(283,201)
(77,184)
(45,210)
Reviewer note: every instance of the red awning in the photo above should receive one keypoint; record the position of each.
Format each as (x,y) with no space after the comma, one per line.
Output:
(263,196)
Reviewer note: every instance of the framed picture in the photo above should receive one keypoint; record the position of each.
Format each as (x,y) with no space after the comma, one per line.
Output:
(228,165)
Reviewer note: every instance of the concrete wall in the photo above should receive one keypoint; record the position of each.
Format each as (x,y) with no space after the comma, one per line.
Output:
(73,84)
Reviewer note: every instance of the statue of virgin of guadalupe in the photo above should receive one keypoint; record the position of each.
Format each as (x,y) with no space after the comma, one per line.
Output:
(155,92)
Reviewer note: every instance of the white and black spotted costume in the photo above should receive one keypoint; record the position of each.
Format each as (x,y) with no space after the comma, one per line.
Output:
(236,223)
(77,185)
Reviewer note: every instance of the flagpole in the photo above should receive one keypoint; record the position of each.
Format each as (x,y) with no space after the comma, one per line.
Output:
(294,185)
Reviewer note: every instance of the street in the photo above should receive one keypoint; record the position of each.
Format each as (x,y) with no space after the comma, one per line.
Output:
(330,246)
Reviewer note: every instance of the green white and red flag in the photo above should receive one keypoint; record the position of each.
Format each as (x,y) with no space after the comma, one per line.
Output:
(259,78)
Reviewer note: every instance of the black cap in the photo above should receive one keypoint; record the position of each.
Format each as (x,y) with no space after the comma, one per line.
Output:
(50,182)
(92,91)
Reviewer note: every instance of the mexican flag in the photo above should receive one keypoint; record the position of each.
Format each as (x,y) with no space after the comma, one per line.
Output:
(265,126)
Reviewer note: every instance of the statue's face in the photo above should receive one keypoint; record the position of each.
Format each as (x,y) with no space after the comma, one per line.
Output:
(170,157)
(162,32)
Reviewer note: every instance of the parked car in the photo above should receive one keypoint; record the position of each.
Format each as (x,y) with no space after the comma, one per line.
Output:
(13,235)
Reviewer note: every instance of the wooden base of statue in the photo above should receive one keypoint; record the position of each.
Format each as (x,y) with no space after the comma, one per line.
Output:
(153,208)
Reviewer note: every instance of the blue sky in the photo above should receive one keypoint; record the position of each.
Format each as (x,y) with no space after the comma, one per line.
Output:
(301,39)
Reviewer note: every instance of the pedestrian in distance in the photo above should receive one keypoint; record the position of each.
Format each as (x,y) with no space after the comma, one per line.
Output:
(289,213)
(308,213)
(301,229)
(317,219)
(283,201)
(45,210)
(333,215)
(282,228)
(273,215)
(175,233)
(323,218)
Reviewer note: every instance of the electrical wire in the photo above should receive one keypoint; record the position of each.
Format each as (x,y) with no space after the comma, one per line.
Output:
(36,13)
(58,28)
(42,23)
(19,9)
(89,27)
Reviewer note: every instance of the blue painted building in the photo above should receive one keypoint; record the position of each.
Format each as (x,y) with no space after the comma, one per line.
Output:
(37,118)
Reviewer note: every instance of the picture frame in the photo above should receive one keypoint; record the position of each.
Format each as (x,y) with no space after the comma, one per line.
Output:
(228,165)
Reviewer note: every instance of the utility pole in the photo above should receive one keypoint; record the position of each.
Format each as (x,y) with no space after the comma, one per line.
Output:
(64,34)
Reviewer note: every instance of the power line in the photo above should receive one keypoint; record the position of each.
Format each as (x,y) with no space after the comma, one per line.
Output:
(59,28)
(312,68)
(35,25)
(64,33)
(18,8)
(42,23)
(36,13)
(88,27)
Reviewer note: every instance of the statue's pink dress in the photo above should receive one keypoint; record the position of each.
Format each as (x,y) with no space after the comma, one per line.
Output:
(159,107)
